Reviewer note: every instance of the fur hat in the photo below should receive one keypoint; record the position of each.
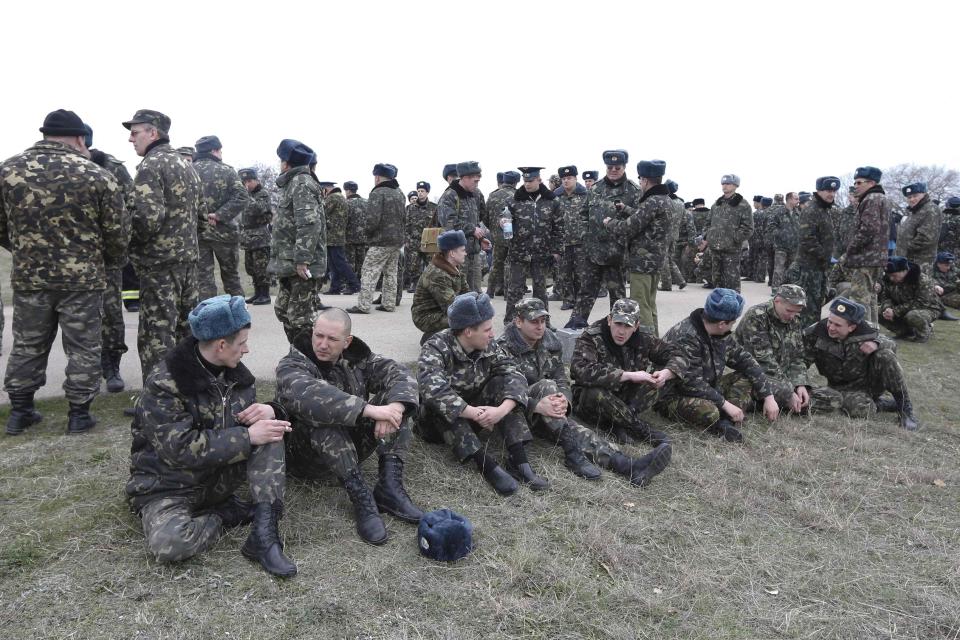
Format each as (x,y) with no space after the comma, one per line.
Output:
(350,185)
(590,175)
(723,304)
(449,170)
(468,168)
(731,178)
(916,187)
(449,240)
(219,317)
(511,178)
(946,257)
(896,264)
(285,147)
(766,201)
(651,168)
(828,183)
(444,535)
(849,310)
(88,139)
(469,309)
(385,170)
(869,173)
(208,143)
(615,157)
(570,170)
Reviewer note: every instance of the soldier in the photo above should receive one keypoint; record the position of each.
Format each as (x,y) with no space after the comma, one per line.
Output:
(909,304)
(439,284)
(645,231)
(163,246)
(537,235)
(946,277)
(783,234)
(570,200)
(411,197)
(554,182)
(697,396)
(589,178)
(421,213)
(866,253)
(298,255)
(468,384)
(681,254)
(756,258)
(728,225)
(772,332)
(345,402)
(669,272)
(919,233)
(859,365)
(843,223)
(460,207)
(113,329)
(356,247)
(506,186)
(612,386)
(950,227)
(255,235)
(343,279)
(63,219)
(383,218)
(198,434)
(219,235)
(615,196)
(701,270)
(186,153)
(812,265)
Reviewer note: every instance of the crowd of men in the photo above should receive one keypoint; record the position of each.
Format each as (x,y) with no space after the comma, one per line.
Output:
(72,217)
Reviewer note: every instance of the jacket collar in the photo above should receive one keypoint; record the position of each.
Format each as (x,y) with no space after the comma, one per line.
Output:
(734,201)
(463,193)
(519,346)
(191,377)
(655,190)
(444,265)
(388,184)
(521,194)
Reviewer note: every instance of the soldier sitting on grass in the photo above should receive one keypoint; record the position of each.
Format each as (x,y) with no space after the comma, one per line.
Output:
(909,304)
(946,278)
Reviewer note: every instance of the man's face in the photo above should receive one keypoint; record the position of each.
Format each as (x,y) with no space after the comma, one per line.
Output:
(329,339)
(457,256)
(615,172)
(827,195)
(943,266)
(793,201)
(142,135)
(897,276)
(621,331)
(729,189)
(838,328)
(422,194)
(569,183)
(785,310)
(757,206)
(862,185)
(411,199)
(250,185)
(478,338)
(588,182)
(532,185)
(232,353)
(531,330)
(914,198)
(469,183)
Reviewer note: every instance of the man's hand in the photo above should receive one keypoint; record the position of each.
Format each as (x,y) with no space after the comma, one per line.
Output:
(606,221)
(734,412)
(938,289)
(804,394)
(383,428)
(267,431)
(256,412)
(552,406)
(478,233)
(638,377)
(485,244)
(390,413)
(663,376)
(869,347)
(770,408)
(303,271)
(702,246)
(213,219)
(888,314)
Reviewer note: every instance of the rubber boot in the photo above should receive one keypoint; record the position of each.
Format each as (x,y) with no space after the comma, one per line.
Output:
(263,544)
(79,419)
(111,374)
(573,457)
(723,428)
(908,420)
(390,495)
(370,525)
(22,413)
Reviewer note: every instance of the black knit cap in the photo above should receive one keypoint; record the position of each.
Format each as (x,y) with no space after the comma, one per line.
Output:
(63,123)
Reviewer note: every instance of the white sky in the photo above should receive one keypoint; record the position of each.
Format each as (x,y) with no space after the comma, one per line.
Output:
(777,92)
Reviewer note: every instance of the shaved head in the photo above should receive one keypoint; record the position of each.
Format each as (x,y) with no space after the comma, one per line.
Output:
(338,316)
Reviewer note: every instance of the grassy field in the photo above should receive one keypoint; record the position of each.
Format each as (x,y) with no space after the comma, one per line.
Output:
(815,528)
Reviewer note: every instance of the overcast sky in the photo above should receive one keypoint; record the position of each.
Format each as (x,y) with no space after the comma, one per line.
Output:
(779,93)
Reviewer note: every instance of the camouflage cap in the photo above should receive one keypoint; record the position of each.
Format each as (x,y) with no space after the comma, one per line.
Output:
(531,309)
(186,151)
(626,311)
(148,116)
(792,294)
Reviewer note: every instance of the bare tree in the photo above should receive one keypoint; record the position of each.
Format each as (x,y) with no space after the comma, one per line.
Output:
(941,181)
(268,179)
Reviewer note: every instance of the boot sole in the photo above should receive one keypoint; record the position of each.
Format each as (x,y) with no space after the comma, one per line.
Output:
(30,423)
(660,461)
(398,515)
(249,555)
(521,480)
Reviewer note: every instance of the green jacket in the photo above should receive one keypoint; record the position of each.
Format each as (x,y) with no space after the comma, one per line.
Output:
(645,230)
(730,223)
(916,292)
(336,210)
(224,195)
(438,285)
(299,230)
(777,346)
(384,215)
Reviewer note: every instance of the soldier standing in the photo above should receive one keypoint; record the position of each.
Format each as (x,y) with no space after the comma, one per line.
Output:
(63,219)
(755,254)
(356,247)
(866,252)
(909,304)
(343,280)
(255,235)
(812,265)
(420,214)
(784,235)
(506,186)
(919,233)
(685,236)
(440,283)
(728,225)
(570,199)
(699,271)
(225,200)
(460,207)
(670,271)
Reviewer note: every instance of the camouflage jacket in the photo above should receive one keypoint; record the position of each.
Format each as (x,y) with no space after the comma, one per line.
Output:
(871,231)
(299,230)
(676,218)
(701,216)
(782,229)
(184,432)
(439,284)
(600,243)
(729,224)
(383,217)
(447,374)
(843,222)
(537,232)
(543,361)
(919,233)
(494,211)
(255,223)
(419,217)
(460,209)
(599,362)
(777,346)
(688,229)
(840,361)
(115,168)
(816,234)
(950,281)
(916,292)
(706,357)
(758,238)
(63,219)
(223,195)
(950,231)
(336,210)
(356,206)
(570,221)
(645,230)
(168,203)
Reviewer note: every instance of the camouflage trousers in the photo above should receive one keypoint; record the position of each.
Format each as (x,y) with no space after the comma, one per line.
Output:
(863,289)
(725,269)
(466,437)
(297,303)
(355,254)
(915,321)
(113,328)
(670,273)
(949,299)
(857,399)
(414,264)
(473,267)
(517,285)
(611,410)
(167,296)
(643,289)
(37,315)
(571,272)
(736,387)
(705,268)
(379,260)
(813,281)
(760,264)
(595,276)
(255,263)
(180,526)
(499,276)
(782,259)
(227,254)
(684,258)
(701,413)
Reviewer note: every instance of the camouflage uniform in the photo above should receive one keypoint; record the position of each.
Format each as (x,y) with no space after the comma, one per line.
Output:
(757,269)
(63,219)
(950,231)
(950,281)
(225,196)
(919,234)
(537,235)
(342,275)
(189,455)
(670,271)
(325,404)
(255,237)
(299,237)
(812,265)
(645,232)
(572,261)
(450,379)
(163,249)
(356,247)
(498,278)
(419,217)
(783,234)
(866,253)
(683,250)
(698,393)
(439,284)
(914,302)
(700,271)
(460,209)
(730,223)
(384,231)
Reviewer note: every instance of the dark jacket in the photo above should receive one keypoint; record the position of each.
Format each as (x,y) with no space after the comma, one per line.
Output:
(537,231)
(871,231)
(385,214)
(842,362)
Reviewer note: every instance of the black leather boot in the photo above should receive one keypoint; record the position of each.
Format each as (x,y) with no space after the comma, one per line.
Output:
(644,431)
(22,413)
(262,295)
(908,420)
(370,525)
(641,471)
(390,495)
(111,373)
(885,405)
(79,419)
(573,457)
(263,544)
(723,428)
(496,477)
(525,474)
(233,512)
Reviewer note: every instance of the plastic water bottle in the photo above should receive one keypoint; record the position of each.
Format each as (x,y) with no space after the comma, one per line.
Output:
(507,224)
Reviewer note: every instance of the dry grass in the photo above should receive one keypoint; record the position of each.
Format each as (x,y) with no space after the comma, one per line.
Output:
(816,528)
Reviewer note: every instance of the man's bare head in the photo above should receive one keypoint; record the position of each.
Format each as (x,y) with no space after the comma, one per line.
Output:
(331,334)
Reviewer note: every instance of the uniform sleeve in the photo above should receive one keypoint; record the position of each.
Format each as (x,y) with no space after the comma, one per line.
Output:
(434,383)
(308,218)
(862,233)
(237,198)
(114,223)
(393,382)
(514,382)
(310,399)
(744,224)
(374,214)
(666,355)
(739,360)
(587,369)
(150,211)
(638,220)
(691,382)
